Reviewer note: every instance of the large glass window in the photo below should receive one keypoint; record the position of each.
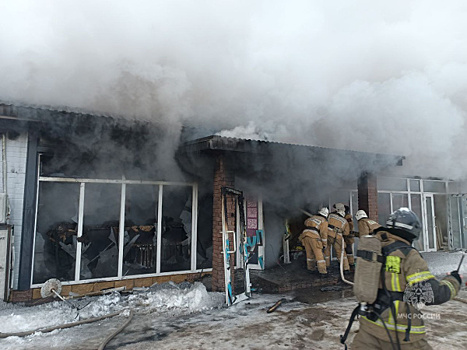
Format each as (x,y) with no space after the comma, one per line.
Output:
(399,200)
(415,185)
(140,252)
(99,249)
(392,184)
(455,221)
(430,222)
(204,244)
(384,207)
(416,202)
(434,186)
(56,230)
(87,222)
(176,228)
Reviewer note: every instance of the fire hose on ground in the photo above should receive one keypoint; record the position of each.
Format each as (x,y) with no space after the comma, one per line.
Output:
(53,287)
(67,325)
(121,328)
(341,265)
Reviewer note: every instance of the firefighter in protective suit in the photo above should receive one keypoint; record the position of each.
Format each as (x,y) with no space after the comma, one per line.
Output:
(366,226)
(406,275)
(314,239)
(350,239)
(338,227)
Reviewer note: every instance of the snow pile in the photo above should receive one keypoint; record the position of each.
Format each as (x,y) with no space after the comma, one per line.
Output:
(176,298)
(167,297)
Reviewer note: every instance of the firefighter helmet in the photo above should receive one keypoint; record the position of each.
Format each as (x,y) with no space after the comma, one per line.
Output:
(339,206)
(406,220)
(360,214)
(324,212)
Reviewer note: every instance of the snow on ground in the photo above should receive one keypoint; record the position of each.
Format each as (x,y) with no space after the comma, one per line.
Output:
(441,263)
(186,316)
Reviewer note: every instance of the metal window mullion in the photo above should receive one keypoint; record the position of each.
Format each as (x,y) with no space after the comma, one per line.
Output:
(38,183)
(425,223)
(461,204)
(121,231)
(159,229)
(82,189)
(194,227)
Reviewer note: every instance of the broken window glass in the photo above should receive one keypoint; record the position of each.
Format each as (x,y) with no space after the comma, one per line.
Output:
(56,232)
(176,228)
(99,250)
(140,252)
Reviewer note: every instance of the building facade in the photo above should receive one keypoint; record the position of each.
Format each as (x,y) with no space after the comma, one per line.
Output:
(96,216)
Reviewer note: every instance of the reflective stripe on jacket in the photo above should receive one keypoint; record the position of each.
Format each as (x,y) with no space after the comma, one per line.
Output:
(317,227)
(337,223)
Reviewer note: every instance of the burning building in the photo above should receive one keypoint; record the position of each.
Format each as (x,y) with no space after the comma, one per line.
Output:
(99,201)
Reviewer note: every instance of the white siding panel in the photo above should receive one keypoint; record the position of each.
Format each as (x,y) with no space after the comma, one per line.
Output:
(16,154)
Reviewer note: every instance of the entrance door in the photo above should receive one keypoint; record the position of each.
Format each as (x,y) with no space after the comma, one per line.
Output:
(429,223)
(253,247)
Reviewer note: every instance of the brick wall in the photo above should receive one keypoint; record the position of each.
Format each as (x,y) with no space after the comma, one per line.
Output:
(222,177)
(96,287)
(368,195)
(16,154)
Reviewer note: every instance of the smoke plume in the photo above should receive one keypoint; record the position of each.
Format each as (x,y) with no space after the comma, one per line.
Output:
(361,75)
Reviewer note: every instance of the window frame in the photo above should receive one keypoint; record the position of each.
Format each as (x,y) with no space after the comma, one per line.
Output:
(123,182)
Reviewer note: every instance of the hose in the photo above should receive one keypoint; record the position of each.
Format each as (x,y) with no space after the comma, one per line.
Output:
(62,326)
(111,336)
(341,265)
(462,300)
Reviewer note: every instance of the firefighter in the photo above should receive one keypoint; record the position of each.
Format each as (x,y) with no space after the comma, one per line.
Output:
(338,227)
(407,282)
(349,240)
(366,226)
(314,239)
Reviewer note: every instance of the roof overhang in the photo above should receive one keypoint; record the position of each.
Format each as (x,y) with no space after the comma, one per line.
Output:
(284,173)
(216,143)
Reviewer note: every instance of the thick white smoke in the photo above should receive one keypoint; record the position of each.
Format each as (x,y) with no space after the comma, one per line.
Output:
(365,75)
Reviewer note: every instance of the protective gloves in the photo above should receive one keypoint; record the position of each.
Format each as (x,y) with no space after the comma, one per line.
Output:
(456,275)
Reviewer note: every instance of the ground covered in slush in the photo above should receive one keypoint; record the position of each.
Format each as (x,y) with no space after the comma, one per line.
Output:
(187,316)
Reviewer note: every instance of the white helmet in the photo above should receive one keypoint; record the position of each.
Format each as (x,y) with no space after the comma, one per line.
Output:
(339,206)
(360,214)
(324,212)
(341,212)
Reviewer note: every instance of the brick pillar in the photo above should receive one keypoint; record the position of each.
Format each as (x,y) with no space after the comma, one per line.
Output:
(368,195)
(223,177)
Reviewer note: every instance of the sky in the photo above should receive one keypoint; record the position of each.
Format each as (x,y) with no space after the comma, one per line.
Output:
(384,77)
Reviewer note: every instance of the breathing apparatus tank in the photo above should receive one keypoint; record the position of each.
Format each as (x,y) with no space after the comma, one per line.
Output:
(368,269)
